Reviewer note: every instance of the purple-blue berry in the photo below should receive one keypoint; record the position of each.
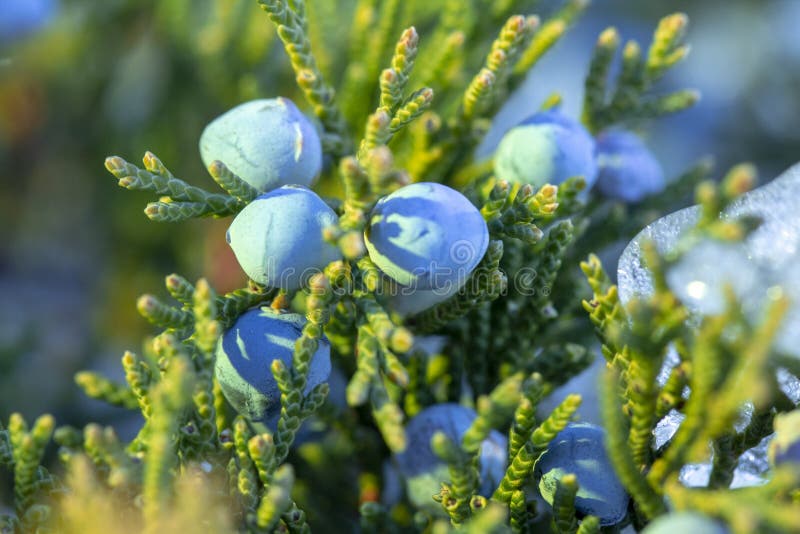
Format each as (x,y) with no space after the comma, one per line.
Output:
(426,236)
(277,238)
(579,449)
(546,148)
(245,353)
(628,171)
(267,143)
(424,471)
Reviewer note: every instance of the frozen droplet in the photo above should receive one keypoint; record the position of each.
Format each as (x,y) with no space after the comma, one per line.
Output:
(789,384)
(695,475)
(774,244)
(667,427)
(696,289)
(750,469)
(745,416)
(760,269)
(769,249)
(633,278)
(671,359)
(701,276)
(752,466)
(786,282)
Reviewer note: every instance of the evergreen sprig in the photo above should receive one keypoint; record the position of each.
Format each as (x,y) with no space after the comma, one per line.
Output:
(564,520)
(549,33)
(180,201)
(27,447)
(724,349)
(502,57)
(98,387)
(462,458)
(192,454)
(630,98)
(231,183)
(292,25)
(521,465)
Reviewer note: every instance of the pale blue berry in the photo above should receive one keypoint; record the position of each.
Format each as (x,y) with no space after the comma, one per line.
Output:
(277,238)
(245,353)
(426,236)
(579,450)
(423,471)
(628,171)
(684,523)
(268,143)
(546,148)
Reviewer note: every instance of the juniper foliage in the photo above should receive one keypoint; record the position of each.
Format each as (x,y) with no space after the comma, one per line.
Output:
(525,323)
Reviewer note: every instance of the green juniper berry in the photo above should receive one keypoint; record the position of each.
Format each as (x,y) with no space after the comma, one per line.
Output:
(546,148)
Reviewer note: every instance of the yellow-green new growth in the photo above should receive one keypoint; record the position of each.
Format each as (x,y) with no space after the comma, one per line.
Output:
(521,466)
(292,26)
(179,200)
(630,99)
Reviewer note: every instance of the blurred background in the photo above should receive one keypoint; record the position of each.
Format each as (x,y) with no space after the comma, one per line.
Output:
(81,80)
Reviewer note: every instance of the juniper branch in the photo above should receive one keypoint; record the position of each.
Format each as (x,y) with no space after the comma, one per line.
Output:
(245,480)
(519,515)
(388,416)
(393,80)
(358,388)
(98,387)
(564,519)
(171,396)
(276,500)
(525,414)
(182,201)
(589,525)
(180,289)
(27,448)
(619,450)
(521,466)
(290,23)
(163,315)
(594,100)
(501,59)
(231,183)
(139,377)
